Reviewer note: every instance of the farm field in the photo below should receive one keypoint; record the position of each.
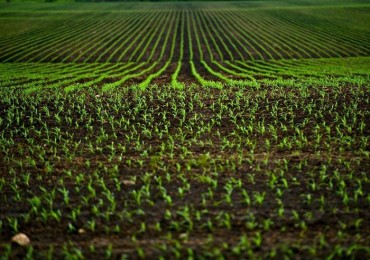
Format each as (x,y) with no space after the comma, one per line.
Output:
(185,130)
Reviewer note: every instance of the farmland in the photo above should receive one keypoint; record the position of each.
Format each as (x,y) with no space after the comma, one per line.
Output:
(185,130)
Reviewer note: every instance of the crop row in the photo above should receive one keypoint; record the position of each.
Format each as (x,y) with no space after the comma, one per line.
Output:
(222,35)
(331,71)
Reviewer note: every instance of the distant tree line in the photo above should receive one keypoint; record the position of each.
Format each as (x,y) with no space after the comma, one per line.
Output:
(150,0)
(8,1)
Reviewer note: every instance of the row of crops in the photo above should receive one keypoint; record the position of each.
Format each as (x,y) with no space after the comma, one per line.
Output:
(31,77)
(182,45)
(148,36)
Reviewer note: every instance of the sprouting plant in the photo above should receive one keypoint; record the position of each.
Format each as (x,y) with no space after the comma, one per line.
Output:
(259,197)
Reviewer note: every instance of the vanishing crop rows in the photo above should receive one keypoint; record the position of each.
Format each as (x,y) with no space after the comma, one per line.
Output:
(177,46)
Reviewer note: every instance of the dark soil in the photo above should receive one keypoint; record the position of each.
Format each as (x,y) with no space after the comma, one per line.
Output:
(294,224)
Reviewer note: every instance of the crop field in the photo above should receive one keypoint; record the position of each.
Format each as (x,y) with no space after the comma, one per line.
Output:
(198,130)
